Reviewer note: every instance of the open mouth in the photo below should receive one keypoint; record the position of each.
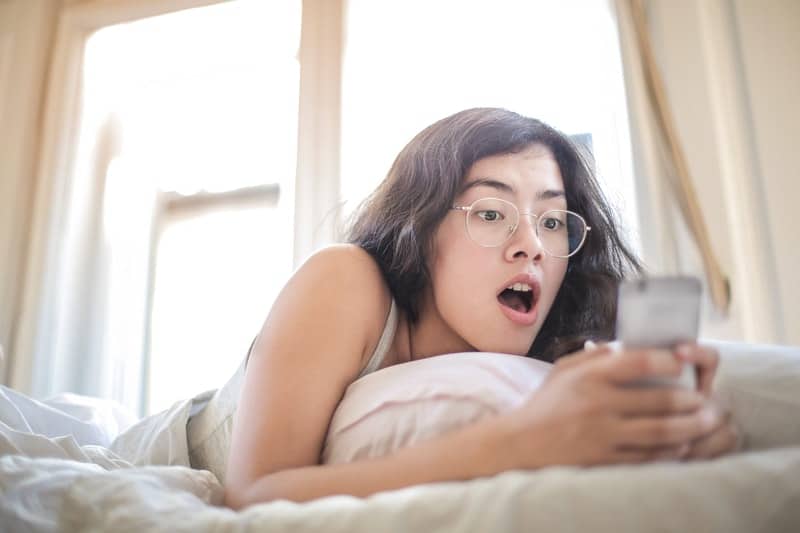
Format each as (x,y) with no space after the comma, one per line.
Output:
(520,297)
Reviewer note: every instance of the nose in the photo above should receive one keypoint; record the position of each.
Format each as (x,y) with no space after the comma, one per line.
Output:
(525,242)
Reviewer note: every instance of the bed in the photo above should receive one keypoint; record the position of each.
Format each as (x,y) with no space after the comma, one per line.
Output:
(70,464)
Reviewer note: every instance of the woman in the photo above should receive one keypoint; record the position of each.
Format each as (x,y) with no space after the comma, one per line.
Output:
(489,234)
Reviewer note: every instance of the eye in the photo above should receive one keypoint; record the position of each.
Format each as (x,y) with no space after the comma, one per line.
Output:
(552,224)
(490,215)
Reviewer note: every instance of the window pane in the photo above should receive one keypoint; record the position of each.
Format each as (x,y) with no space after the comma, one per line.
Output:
(216,277)
(556,60)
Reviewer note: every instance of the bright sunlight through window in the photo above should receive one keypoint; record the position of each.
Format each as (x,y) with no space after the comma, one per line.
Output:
(410,63)
(205,103)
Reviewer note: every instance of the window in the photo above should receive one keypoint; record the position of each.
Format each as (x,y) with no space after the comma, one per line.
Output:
(410,63)
(197,207)
(180,225)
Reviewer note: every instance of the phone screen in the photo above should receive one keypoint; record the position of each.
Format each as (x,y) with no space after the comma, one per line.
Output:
(658,312)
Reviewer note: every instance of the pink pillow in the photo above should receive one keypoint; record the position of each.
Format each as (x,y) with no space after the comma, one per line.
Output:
(407,403)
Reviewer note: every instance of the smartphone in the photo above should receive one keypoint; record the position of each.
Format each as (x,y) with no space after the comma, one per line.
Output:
(660,312)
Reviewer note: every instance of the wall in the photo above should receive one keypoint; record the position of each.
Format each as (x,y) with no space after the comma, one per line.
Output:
(729,69)
(770,47)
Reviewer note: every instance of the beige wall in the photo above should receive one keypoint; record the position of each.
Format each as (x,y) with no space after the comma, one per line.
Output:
(770,46)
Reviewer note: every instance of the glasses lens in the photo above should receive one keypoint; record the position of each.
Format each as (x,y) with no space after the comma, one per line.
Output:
(561,232)
(491,221)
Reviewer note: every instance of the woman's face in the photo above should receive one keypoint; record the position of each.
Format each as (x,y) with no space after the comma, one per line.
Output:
(469,290)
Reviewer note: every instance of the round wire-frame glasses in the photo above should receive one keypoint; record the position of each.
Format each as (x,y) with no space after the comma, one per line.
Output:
(490,222)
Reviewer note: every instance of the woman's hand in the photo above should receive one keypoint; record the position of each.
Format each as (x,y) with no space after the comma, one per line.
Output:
(705,360)
(587,413)
(725,438)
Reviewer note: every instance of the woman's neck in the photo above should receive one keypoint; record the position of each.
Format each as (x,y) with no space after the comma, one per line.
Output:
(429,336)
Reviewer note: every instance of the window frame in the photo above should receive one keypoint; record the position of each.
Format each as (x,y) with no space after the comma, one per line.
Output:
(316,178)
(172,207)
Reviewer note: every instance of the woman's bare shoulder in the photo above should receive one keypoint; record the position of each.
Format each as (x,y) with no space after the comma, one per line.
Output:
(351,269)
(340,286)
(352,259)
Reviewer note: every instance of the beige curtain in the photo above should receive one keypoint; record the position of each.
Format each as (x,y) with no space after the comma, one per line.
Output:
(658,154)
(26,44)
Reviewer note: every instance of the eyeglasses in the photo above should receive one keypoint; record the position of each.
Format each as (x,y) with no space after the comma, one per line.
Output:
(491,222)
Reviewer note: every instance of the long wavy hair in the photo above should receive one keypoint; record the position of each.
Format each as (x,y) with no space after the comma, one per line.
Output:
(397,222)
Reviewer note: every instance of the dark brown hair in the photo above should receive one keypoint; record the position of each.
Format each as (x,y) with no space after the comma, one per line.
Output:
(397,222)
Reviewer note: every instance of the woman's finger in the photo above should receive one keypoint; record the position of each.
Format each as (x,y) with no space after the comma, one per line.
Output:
(724,439)
(659,453)
(654,401)
(720,442)
(647,432)
(629,366)
(706,361)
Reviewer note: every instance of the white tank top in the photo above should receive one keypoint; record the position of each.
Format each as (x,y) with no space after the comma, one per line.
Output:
(384,343)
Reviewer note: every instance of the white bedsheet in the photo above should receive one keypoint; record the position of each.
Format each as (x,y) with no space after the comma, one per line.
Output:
(754,492)
(59,472)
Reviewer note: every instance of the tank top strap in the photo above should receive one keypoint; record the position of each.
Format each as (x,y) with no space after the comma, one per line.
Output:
(384,343)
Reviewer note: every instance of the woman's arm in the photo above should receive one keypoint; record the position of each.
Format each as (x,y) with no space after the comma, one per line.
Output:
(463,454)
(321,330)
(323,326)
(584,429)
(311,347)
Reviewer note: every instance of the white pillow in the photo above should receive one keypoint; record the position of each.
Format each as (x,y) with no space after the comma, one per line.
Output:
(408,403)
(411,402)
(761,384)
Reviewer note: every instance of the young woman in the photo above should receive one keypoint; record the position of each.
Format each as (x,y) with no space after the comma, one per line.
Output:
(490,234)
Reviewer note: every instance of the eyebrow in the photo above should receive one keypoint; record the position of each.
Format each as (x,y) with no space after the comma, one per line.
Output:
(546,194)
